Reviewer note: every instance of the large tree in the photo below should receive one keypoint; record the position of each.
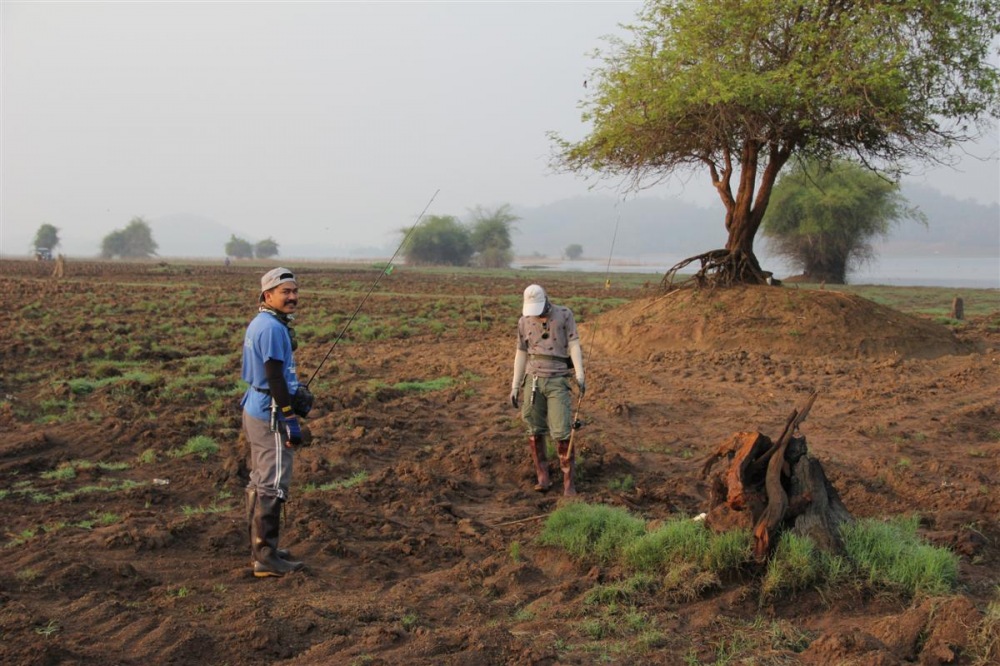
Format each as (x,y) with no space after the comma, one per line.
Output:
(47,237)
(490,236)
(441,240)
(823,217)
(237,247)
(135,241)
(266,248)
(735,89)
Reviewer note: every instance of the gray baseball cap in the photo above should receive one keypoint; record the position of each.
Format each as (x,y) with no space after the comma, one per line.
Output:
(273,278)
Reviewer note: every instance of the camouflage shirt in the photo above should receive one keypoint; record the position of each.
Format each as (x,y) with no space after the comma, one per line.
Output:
(547,342)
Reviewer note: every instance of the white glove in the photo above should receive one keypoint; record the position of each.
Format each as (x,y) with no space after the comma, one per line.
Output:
(520,363)
(576,353)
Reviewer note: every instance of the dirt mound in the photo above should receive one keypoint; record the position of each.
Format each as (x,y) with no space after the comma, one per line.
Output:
(793,322)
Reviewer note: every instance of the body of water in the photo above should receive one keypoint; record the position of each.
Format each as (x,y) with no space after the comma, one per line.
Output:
(932,271)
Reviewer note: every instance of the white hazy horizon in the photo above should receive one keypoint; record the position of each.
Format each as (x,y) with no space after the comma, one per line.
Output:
(299,120)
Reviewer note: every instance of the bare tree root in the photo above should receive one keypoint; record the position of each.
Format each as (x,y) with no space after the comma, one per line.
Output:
(719,268)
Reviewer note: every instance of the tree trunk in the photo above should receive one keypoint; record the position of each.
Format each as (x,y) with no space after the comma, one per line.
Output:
(737,263)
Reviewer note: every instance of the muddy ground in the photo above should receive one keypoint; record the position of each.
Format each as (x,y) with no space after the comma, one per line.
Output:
(414,509)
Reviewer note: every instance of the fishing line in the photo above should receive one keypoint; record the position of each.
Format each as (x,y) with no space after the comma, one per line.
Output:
(577,423)
(385,270)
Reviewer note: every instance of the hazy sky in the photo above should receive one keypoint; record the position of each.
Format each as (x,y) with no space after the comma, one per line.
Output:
(329,120)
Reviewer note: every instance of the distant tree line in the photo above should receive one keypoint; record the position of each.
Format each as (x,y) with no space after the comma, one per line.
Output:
(444,240)
(135,241)
(240,248)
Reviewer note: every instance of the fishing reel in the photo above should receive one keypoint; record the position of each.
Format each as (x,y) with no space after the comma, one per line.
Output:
(577,424)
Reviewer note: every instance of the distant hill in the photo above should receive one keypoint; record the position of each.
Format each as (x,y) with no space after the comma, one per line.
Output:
(187,235)
(644,226)
(676,228)
(955,227)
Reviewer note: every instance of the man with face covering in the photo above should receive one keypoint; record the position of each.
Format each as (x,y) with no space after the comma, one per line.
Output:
(271,407)
(548,353)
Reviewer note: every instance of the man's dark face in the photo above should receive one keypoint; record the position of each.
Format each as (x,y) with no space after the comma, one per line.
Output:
(284,298)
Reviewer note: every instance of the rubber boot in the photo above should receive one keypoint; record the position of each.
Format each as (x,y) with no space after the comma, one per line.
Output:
(264,528)
(567,463)
(536,443)
(251,494)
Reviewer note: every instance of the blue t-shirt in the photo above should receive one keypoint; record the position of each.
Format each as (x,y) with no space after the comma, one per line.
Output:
(267,339)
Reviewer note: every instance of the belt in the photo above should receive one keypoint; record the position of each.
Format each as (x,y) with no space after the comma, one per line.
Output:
(545,357)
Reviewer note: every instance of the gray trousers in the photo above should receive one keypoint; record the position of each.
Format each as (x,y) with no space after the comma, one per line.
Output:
(550,410)
(270,459)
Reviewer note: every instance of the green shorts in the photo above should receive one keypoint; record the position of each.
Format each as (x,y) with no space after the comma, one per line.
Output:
(550,410)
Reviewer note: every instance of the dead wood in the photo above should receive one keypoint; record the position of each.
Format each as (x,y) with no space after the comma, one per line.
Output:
(769,487)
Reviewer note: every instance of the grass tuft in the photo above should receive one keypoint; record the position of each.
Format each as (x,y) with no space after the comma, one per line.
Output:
(591,530)
(199,445)
(890,554)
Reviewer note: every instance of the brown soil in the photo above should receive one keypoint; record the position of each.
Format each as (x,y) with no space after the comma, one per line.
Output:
(420,563)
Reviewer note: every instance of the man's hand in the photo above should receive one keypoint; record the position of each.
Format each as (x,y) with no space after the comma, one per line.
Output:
(293,431)
(582,384)
(513,398)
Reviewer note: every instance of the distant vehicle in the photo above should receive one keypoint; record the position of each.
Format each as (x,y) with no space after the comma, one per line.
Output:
(43,254)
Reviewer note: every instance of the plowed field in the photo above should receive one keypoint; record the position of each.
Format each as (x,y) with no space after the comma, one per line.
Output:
(125,539)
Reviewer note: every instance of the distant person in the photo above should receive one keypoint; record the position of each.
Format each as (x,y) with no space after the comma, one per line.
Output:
(60,268)
(227,262)
(271,407)
(548,353)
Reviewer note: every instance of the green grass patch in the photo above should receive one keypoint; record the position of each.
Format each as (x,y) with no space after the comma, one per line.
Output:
(625,483)
(795,565)
(64,472)
(201,510)
(425,386)
(85,385)
(199,445)
(355,479)
(890,554)
(592,530)
(68,470)
(207,364)
(681,558)
(628,591)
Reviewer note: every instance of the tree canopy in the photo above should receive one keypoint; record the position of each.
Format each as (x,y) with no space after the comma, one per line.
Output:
(823,216)
(266,248)
(47,237)
(133,242)
(441,240)
(573,251)
(735,89)
(239,248)
(490,236)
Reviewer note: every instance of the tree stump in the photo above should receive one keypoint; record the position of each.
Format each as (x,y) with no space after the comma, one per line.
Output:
(771,487)
(958,308)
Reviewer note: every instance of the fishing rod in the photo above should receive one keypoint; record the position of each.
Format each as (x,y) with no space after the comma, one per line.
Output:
(577,423)
(385,270)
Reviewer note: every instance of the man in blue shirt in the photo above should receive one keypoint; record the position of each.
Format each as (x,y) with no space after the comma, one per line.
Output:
(269,418)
